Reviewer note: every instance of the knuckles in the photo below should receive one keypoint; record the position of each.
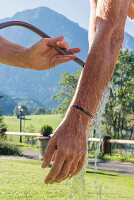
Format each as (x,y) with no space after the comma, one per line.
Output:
(71,153)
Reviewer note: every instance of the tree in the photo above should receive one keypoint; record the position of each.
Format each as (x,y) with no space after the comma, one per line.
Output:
(121,104)
(25,110)
(40,111)
(68,83)
(2,124)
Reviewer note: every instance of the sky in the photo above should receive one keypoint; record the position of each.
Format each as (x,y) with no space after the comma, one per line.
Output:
(76,10)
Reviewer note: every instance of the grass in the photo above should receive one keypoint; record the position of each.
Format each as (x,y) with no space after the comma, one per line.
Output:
(23,180)
(119,157)
(35,120)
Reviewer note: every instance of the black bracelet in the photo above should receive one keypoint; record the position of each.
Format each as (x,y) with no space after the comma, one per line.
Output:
(84,111)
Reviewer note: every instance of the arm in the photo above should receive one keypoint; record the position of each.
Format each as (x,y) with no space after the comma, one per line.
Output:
(69,140)
(131,11)
(92,21)
(103,54)
(40,56)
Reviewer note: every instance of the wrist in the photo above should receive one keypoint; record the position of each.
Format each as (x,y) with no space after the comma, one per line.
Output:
(22,58)
(78,117)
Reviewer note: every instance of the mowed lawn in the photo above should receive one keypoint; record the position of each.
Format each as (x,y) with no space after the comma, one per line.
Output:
(23,180)
(35,120)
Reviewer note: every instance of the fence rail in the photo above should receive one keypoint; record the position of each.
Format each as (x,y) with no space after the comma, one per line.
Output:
(112,141)
(23,134)
(106,142)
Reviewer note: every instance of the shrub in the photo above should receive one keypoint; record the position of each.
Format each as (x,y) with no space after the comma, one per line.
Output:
(46,130)
(6,148)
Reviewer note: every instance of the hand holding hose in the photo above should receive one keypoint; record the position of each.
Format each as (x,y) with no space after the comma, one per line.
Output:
(43,55)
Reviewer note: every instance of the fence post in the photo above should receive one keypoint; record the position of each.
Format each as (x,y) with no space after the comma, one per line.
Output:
(106,146)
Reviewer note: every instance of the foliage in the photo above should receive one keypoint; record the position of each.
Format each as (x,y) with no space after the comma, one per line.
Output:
(7,148)
(24,112)
(2,123)
(68,83)
(41,111)
(1,120)
(46,130)
(120,106)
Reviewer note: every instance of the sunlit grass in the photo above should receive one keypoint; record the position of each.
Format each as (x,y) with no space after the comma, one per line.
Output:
(35,120)
(23,180)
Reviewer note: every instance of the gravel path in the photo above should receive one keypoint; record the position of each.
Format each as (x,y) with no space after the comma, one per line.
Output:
(113,166)
(110,166)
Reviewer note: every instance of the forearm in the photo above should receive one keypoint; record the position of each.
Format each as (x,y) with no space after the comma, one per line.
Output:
(12,54)
(100,63)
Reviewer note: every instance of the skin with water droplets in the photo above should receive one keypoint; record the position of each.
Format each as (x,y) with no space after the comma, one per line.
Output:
(70,137)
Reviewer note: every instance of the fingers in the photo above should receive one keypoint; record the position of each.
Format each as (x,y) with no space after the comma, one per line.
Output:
(53,41)
(73,169)
(51,148)
(59,59)
(64,172)
(56,168)
(62,44)
(69,169)
(74,50)
(76,169)
(59,41)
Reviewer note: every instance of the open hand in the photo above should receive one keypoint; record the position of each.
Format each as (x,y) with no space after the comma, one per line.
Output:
(42,55)
(69,144)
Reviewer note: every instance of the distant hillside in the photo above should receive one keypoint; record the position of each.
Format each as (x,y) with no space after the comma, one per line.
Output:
(41,85)
(7,104)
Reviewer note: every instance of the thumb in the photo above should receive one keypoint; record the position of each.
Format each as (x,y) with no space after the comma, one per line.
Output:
(51,148)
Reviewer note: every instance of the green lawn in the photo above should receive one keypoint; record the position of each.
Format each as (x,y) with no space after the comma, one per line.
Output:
(32,124)
(23,180)
(35,120)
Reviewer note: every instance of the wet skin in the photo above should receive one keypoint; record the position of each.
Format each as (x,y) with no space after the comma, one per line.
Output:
(69,141)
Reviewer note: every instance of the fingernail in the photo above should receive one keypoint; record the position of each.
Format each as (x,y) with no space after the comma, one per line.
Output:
(58,43)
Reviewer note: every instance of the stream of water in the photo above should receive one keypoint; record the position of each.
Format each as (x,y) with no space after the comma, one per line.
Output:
(78,187)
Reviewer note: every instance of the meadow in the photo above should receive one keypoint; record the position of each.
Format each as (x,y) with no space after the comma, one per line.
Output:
(23,180)
(33,122)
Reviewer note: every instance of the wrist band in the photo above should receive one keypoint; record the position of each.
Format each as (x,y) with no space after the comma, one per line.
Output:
(84,111)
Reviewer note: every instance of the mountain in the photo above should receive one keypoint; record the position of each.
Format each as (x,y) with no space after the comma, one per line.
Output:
(128,42)
(130,27)
(41,85)
(8,103)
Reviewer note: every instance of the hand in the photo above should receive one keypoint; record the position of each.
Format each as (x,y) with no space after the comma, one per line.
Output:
(43,55)
(69,144)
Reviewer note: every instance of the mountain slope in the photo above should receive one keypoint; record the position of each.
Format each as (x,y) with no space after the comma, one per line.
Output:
(41,85)
(8,103)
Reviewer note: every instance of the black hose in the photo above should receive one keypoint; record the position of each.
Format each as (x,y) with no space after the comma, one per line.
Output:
(42,34)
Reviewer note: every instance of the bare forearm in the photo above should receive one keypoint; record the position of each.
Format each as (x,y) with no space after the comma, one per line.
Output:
(101,62)
(12,54)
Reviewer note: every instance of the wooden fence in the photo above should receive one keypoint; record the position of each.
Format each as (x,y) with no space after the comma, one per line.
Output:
(105,142)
